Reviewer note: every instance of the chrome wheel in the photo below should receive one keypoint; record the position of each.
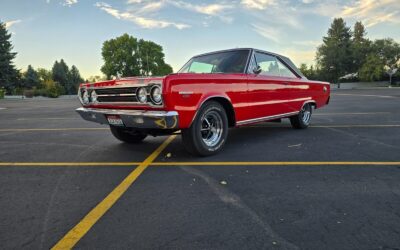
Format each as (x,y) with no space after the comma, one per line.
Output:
(306,114)
(212,128)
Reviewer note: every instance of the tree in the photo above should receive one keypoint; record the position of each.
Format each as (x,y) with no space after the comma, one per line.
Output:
(44,75)
(389,52)
(31,78)
(334,56)
(60,74)
(311,73)
(361,46)
(74,80)
(373,69)
(9,75)
(126,56)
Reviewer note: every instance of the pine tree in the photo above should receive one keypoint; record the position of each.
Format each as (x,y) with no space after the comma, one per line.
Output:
(31,78)
(8,73)
(74,79)
(60,74)
(361,46)
(334,56)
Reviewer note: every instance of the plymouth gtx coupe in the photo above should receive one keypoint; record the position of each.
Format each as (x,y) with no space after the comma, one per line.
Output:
(211,93)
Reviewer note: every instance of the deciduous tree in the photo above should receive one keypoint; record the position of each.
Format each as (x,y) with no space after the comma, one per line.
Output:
(127,56)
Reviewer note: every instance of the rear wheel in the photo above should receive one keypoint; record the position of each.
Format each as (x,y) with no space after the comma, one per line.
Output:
(128,135)
(208,132)
(303,119)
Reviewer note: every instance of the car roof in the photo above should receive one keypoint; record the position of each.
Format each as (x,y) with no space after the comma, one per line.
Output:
(285,59)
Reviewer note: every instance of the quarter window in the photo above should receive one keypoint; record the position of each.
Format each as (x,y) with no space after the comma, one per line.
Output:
(271,66)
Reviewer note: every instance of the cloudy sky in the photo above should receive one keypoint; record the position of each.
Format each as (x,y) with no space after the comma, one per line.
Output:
(47,30)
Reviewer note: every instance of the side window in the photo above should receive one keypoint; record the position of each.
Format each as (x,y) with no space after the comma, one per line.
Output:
(271,66)
(285,71)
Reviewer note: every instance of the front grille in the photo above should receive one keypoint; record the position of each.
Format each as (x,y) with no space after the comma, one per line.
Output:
(116,91)
(117,99)
(110,95)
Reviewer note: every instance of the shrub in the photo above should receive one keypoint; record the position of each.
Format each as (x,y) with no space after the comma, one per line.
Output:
(2,93)
(28,93)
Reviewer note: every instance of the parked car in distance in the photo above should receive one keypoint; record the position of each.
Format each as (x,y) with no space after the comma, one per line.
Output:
(211,93)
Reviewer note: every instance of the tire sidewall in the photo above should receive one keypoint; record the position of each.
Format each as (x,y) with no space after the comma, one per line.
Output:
(198,140)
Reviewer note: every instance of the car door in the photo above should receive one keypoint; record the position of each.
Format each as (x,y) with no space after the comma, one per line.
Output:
(268,91)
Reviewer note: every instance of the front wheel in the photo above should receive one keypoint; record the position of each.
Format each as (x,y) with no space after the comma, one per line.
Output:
(128,135)
(208,132)
(303,119)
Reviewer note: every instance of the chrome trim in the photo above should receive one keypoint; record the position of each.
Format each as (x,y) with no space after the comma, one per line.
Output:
(150,119)
(123,86)
(272,117)
(309,101)
(186,92)
(117,95)
(151,95)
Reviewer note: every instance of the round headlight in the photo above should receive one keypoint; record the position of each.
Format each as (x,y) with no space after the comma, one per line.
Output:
(155,94)
(141,95)
(93,96)
(85,96)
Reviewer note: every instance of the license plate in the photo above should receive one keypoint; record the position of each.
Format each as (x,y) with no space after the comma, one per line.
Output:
(115,120)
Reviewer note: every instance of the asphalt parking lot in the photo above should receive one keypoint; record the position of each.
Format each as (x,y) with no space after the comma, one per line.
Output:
(67,182)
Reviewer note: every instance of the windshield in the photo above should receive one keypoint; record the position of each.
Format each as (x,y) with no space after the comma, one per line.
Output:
(220,62)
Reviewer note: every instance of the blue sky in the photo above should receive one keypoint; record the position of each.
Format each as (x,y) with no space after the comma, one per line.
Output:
(47,30)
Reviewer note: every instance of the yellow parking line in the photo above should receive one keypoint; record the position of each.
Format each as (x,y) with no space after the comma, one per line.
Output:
(49,129)
(76,233)
(215,163)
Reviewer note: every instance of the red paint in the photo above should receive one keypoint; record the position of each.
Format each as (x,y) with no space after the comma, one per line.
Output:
(252,96)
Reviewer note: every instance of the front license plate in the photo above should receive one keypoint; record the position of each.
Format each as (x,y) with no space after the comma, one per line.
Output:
(115,120)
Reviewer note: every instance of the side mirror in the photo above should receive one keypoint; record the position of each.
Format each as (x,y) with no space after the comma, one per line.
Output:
(257,70)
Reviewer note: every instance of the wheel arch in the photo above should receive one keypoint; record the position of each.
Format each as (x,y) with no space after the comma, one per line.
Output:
(312,102)
(226,104)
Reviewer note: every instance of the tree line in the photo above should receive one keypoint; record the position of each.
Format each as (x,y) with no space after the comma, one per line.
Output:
(59,80)
(348,55)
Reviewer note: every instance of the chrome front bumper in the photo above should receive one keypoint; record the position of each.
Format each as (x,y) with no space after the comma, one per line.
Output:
(141,119)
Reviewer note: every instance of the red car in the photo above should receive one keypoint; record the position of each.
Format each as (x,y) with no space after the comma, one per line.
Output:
(211,93)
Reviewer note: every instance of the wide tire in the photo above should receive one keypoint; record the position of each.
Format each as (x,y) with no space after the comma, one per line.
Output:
(128,135)
(303,119)
(208,132)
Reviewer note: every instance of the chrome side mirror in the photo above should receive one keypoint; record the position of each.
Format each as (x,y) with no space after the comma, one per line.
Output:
(257,70)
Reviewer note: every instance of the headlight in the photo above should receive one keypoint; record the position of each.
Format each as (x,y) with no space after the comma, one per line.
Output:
(155,95)
(141,95)
(85,96)
(93,96)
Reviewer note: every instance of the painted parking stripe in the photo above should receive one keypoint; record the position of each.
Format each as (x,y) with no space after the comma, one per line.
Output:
(216,163)
(76,233)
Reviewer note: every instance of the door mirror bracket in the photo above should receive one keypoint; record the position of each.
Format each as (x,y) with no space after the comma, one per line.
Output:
(257,70)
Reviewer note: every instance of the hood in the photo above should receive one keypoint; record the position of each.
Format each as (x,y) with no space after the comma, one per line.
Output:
(125,81)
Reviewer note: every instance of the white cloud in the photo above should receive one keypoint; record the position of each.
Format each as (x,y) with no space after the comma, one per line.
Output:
(209,9)
(69,3)
(143,22)
(11,23)
(258,4)
(373,12)
(268,32)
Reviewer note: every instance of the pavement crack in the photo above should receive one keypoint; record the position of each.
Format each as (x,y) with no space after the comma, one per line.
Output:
(234,200)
